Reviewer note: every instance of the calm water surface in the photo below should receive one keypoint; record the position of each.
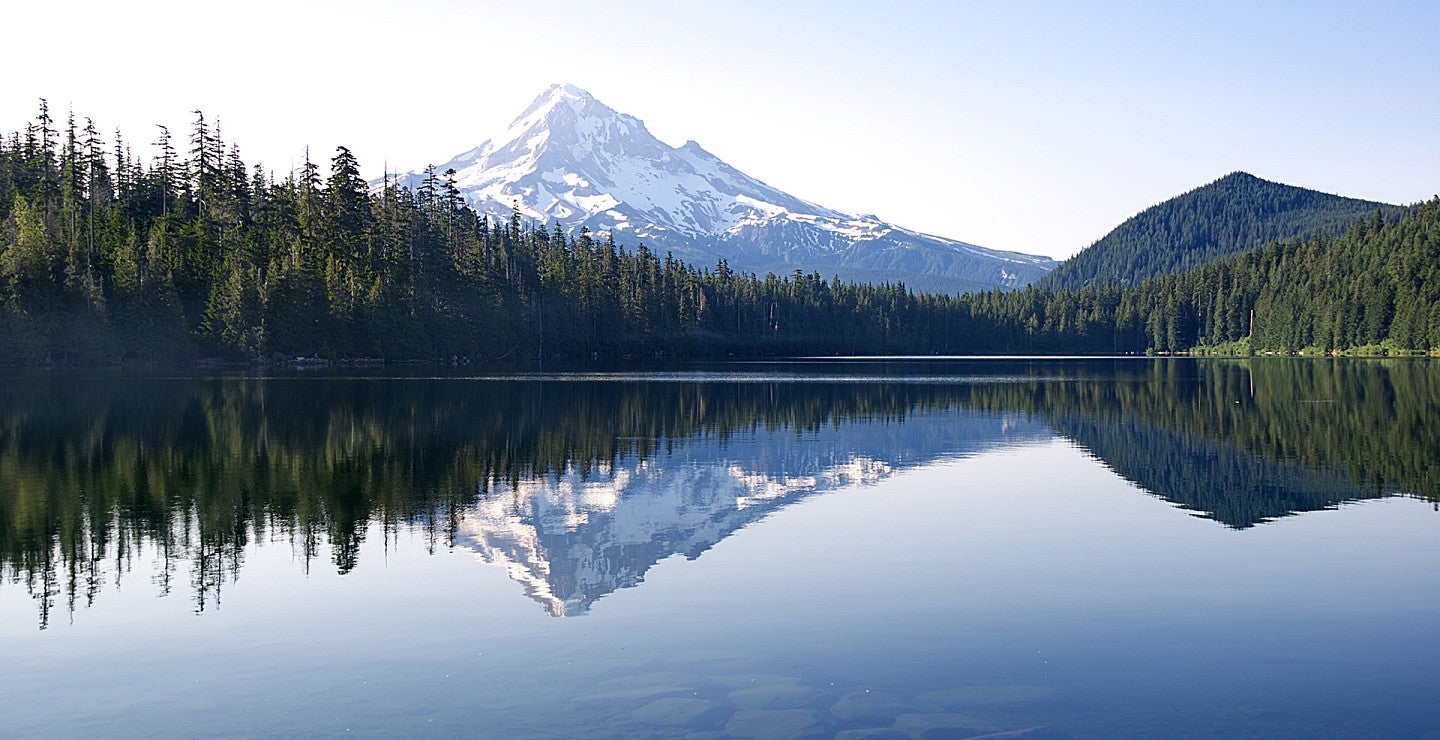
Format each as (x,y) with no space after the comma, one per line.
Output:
(944,548)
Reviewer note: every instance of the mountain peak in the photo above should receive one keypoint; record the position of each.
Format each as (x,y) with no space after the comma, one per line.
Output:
(1240,176)
(562,91)
(571,160)
(561,94)
(569,90)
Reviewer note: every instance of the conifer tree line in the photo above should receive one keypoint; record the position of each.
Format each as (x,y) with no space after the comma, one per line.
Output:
(107,258)
(1375,290)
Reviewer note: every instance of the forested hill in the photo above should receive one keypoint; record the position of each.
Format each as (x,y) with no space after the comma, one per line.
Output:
(1375,289)
(1234,214)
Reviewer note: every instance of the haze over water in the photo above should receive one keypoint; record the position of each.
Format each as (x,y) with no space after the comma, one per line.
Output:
(1098,548)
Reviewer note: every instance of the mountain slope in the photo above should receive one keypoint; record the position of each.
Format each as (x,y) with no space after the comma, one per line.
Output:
(570,160)
(1234,214)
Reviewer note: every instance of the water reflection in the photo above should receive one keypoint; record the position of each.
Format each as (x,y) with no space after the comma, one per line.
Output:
(572,538)
(578,486)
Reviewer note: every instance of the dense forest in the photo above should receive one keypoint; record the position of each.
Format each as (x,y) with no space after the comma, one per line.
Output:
(1234,214)
(197,255)
(1375,290)
(107,259)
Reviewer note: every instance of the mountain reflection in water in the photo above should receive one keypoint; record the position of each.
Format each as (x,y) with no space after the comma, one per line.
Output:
(573,538)
(578,486)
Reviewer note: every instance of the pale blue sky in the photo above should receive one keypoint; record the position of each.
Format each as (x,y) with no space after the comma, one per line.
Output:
(1032,126)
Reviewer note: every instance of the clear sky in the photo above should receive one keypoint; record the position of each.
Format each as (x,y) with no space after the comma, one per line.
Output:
(1030,126)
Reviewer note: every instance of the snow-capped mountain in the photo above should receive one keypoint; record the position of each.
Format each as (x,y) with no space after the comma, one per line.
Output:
(570,159)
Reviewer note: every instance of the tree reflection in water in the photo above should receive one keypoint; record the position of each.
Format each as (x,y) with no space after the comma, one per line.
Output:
(188,473)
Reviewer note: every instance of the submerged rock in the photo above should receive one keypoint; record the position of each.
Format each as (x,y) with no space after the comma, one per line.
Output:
(635,695)
(681,711)
(774,723)
(775,696)
(942,726)
(870,708)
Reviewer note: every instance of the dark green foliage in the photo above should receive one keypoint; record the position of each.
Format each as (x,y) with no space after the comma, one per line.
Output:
(103,260)
(1377,286)
(1375,289)
(1234,214)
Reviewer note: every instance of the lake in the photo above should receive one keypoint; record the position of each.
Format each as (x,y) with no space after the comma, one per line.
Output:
(858,549)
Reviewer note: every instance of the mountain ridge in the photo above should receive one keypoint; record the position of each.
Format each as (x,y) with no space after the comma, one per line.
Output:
(572,161)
